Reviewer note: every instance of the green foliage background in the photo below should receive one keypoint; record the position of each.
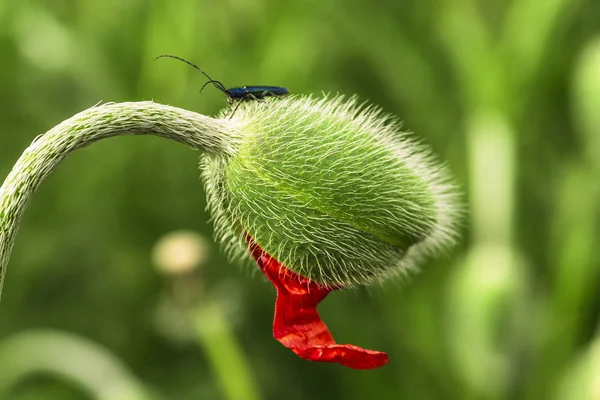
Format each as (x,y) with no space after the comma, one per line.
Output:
(507,92)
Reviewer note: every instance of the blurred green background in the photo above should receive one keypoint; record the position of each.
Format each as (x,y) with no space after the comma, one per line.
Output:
(507,93)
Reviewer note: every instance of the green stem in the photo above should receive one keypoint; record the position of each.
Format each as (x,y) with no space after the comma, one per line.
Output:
(527,35)
(113,119)
(84,363)
(227,359)
(491,151)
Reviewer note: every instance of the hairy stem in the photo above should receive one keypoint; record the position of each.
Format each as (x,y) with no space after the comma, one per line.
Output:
(113,119)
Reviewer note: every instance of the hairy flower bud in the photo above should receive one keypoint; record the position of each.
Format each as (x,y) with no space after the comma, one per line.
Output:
(322,194)
(333,191)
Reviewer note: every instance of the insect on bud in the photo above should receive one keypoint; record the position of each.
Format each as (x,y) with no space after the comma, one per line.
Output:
(332,193)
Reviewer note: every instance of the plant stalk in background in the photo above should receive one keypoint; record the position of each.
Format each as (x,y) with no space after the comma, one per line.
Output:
(86,364)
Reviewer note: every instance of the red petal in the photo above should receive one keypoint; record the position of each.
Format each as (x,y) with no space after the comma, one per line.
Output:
(297,324)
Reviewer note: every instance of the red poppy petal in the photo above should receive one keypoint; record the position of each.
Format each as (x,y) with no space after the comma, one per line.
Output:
(345,354)
(297,324)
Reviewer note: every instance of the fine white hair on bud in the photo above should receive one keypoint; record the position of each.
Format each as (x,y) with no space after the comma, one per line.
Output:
(332,189)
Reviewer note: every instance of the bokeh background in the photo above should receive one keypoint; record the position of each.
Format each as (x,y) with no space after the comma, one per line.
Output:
(116,292)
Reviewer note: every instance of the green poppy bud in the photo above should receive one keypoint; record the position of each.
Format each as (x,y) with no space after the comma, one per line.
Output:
(332,190)
(323,194)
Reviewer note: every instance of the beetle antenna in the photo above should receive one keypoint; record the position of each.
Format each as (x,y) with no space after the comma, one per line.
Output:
(216,83)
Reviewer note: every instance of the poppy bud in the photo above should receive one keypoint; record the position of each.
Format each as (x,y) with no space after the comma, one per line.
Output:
(322,194)
(325,194)
(333,191)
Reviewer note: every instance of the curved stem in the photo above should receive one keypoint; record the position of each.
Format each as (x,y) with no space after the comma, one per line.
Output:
(113,119)
(84,363)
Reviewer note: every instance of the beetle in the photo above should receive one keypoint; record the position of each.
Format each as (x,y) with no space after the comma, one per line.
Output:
(244,93)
